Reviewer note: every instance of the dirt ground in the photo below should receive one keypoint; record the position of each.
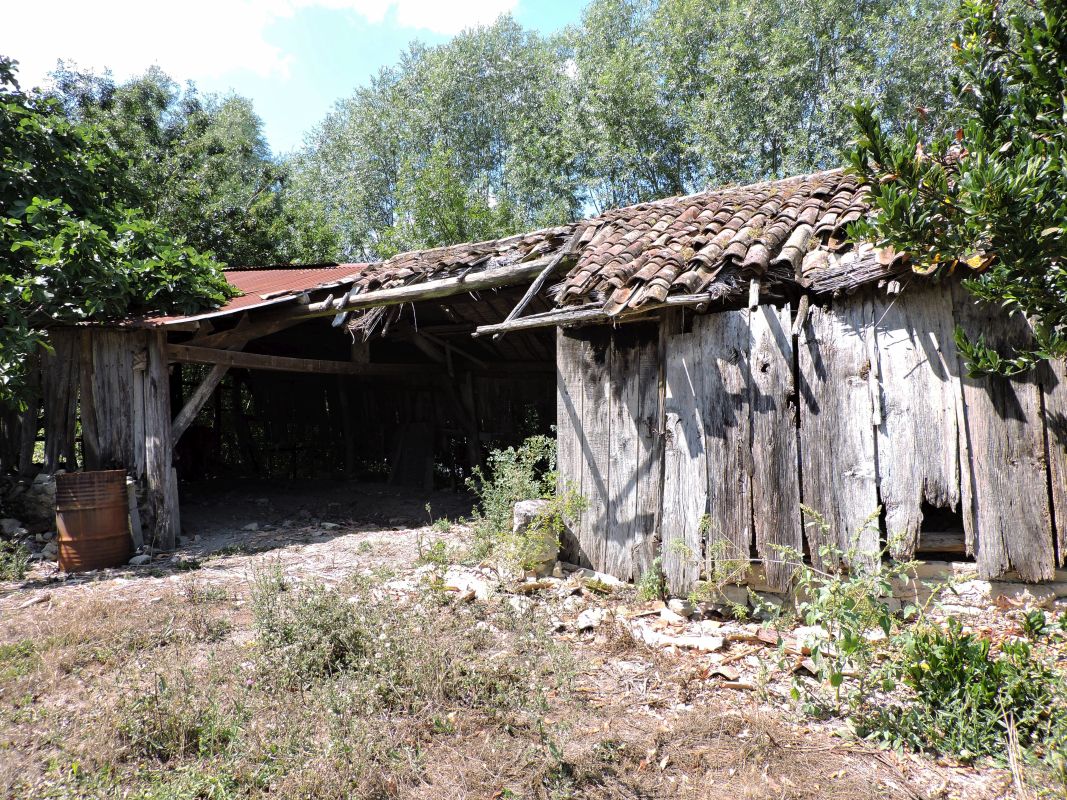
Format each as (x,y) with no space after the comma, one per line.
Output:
(621,719)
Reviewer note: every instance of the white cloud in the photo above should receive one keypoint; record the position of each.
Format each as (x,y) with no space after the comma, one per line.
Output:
(195,38)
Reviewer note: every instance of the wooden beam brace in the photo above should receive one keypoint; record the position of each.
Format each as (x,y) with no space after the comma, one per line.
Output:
(539,281)
(232,358)
(491,278)
(246,330)
(593,312)
(196,402)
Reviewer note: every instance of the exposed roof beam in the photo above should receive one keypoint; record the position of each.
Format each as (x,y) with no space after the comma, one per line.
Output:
(233,358)
(492,278)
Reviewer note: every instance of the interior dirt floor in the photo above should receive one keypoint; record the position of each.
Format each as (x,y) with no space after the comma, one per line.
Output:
(673,728)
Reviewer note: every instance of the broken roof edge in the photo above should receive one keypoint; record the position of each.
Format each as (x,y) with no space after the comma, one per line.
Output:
(626,258)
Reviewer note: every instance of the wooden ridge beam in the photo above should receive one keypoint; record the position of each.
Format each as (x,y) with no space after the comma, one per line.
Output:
(233,358)
(492,278)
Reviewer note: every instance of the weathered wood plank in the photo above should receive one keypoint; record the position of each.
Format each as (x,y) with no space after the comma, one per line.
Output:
(236,358)
(112,389)
(569,432)
(723,403)
(685,474)
(1006,512)
(596,443)
(60,394)
(624,411)
(1054,384)
(161,483)
(196,401)
(837,450)
(649,377)
(917,437)
(775,482)
(629,363)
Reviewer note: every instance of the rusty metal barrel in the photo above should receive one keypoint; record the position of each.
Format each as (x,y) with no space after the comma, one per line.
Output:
(92,517)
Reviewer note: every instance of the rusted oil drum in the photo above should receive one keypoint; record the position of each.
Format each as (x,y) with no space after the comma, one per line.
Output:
(92,517)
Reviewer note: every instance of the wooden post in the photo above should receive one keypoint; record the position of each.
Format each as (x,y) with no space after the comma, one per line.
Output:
(160,478)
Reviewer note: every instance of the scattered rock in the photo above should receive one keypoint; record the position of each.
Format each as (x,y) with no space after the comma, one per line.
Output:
(462,581)
(251,526)
(589,619)
(329,526)
(543,543)
(590,575)
(50,551)
(671,617)
(681,607)
(140,561)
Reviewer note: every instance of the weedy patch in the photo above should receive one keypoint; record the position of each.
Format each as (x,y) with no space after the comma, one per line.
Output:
(14,560)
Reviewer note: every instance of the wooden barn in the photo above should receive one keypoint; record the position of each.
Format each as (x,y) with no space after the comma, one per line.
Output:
(711,364)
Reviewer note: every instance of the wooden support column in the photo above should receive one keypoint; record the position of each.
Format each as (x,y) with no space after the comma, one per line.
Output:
(160,477)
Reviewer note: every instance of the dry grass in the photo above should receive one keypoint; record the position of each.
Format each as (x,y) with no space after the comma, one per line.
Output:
(270,688)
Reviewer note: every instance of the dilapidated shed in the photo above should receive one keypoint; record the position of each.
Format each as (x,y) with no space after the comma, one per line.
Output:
(711,363)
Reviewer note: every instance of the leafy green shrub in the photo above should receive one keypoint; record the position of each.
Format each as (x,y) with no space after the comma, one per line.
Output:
(966,699)
(652,585)
(527,472)
(850,606)
(14,560)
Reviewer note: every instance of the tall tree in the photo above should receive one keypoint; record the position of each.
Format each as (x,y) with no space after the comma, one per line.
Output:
(482,120)
(991,199)
(201,164)
(71,246)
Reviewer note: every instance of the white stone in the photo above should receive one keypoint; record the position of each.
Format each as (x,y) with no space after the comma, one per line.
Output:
(671,617)
(462,581)
(251,526)
(589,619)
(329,526)
(542,545)
(682,607)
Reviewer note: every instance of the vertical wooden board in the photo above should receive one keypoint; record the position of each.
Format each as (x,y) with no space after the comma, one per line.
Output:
(685,476)
(1006,513)
(775,482)
(1054,384)
(137,420)
(723,403)
(633,349)
(569,430)
(837,451)
(917,435)
(60,394)
(595,366)
(161,483)
(649,456)
(112,386)
(624,397)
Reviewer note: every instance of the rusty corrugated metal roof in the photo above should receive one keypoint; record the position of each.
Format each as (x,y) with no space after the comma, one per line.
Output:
(271,285)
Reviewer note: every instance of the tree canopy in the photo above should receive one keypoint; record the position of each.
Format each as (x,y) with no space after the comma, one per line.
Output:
(990,199)
(200,165)
(73,246)
(502,129)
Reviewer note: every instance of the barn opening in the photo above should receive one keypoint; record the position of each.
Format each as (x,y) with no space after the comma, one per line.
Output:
(402,396)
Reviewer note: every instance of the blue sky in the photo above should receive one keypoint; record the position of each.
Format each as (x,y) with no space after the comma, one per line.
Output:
(293,58)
